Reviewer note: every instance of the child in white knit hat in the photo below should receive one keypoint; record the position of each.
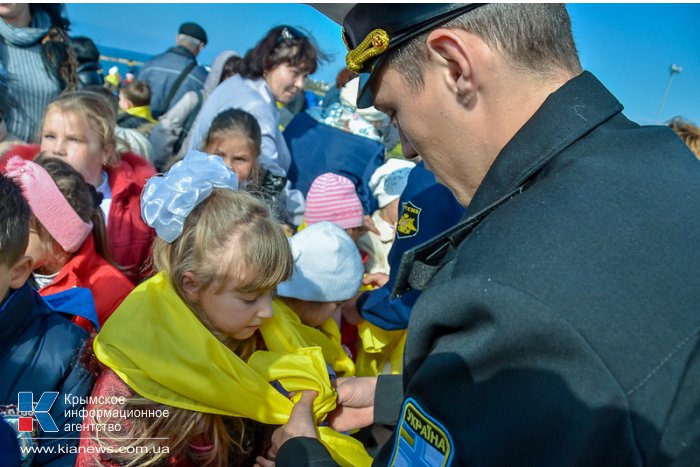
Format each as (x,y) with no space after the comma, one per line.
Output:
(327,271)
(387,183)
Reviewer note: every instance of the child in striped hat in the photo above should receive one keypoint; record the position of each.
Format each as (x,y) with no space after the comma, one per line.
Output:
(333,198)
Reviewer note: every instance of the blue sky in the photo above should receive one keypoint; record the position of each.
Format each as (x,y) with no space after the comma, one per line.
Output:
(630,47)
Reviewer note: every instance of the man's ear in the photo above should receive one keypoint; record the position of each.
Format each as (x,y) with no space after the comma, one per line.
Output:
(190,286)
(20,272)
(453,49)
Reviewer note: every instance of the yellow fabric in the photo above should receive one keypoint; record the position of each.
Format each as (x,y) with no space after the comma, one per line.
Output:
(160,349)
(380,351)
(327,337)
(143,111)
(112,79)
(280,106)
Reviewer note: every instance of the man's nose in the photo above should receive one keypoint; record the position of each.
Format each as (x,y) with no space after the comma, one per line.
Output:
(409,152)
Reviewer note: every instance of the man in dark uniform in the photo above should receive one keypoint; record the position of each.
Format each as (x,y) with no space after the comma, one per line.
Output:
(558,323)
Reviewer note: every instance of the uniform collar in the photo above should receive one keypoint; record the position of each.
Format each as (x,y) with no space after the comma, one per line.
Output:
(566,115)
(576,108)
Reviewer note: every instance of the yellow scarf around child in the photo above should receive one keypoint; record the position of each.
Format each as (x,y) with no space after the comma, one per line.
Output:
(143,111)
(161,350)
(327,337)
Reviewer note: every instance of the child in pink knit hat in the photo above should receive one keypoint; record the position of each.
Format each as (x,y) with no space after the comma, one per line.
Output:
(333,198)
(67,239)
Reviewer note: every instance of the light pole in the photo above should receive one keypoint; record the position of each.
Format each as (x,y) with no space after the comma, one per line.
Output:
(675,69)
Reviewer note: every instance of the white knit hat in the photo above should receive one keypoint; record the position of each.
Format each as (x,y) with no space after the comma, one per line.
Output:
(327,265)
(389,180)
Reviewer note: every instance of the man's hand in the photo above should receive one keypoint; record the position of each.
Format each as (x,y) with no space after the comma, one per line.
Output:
(355,403)
(300,424)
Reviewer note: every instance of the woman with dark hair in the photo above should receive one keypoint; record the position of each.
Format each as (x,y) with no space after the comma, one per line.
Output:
(272,71)
(35,49)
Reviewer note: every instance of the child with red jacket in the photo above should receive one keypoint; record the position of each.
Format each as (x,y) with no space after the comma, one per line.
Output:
(67,237)
(79,128)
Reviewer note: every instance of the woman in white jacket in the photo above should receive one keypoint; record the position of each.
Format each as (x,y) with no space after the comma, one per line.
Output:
(273,71)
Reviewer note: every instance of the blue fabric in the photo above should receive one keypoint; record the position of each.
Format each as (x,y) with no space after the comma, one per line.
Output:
(162,71)
(77,301)
(312,100)
(9,448)
(42,352)
(331,97)
(439,210)
(317,148)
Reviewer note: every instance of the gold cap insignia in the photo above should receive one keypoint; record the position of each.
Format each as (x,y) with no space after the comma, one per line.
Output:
(373,45)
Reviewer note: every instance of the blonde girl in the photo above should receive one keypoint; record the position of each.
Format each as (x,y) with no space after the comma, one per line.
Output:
(79,128)
(67,239)
(222,268)
(195,350)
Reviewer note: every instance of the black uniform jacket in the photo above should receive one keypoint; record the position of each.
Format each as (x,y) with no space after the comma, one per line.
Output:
(562,326)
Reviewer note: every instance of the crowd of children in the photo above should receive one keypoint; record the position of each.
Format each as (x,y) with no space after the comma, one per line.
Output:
(170,288)
(195,306)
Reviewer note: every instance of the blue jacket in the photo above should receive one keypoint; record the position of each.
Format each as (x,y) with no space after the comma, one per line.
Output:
(429,207)
(8,445)
(40,351)
(163,70)
(317,148)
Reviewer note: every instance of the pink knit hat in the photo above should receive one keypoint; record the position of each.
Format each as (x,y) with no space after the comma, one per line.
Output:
(332,198)
(48,204)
